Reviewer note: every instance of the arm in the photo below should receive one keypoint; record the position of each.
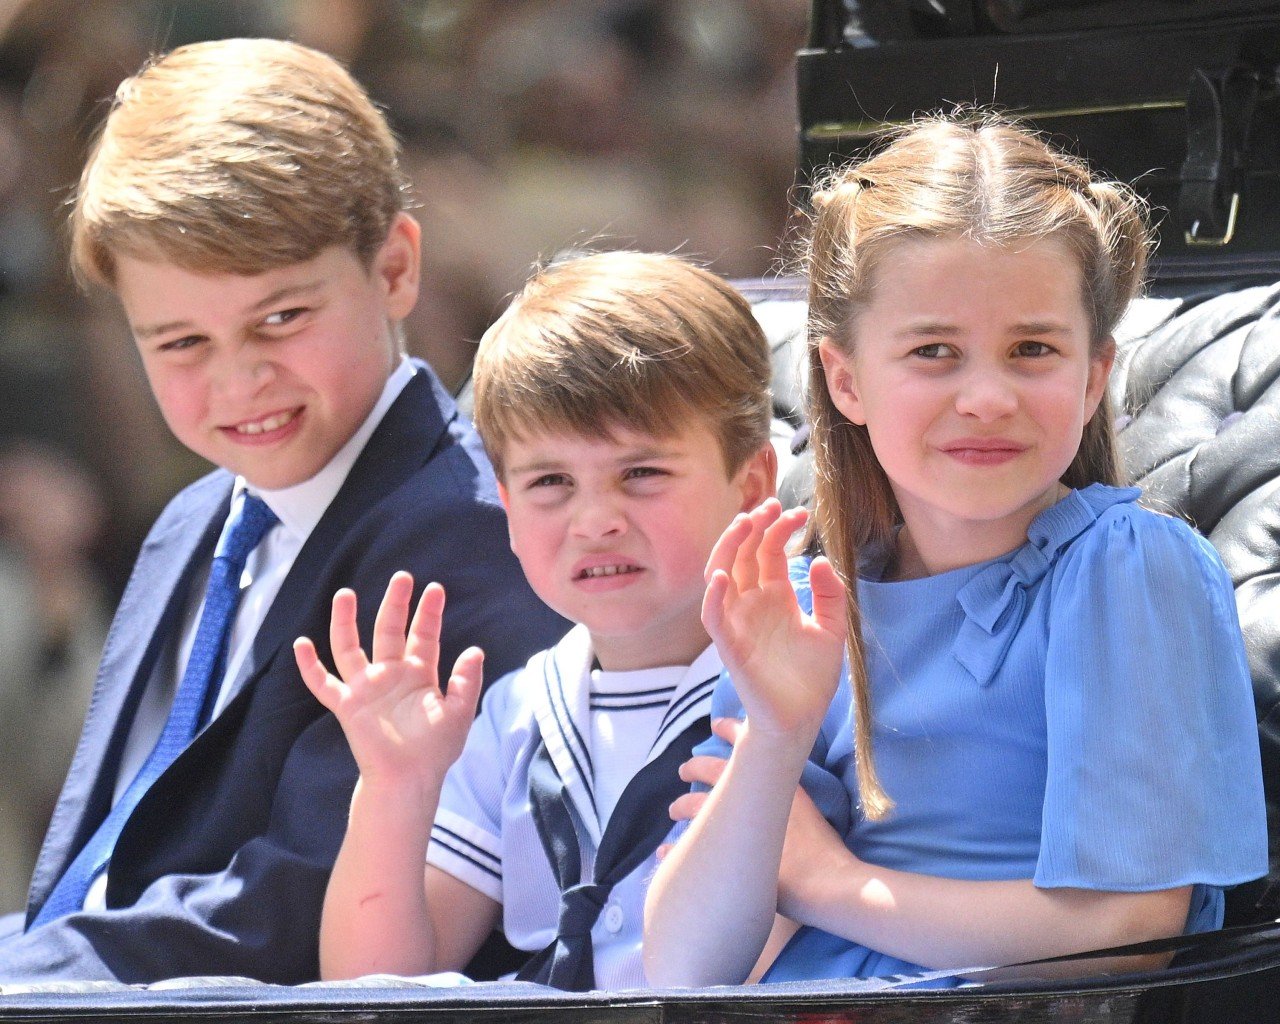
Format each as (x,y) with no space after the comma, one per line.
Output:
(948,923)
(404,734)
(941,922)
(714,898)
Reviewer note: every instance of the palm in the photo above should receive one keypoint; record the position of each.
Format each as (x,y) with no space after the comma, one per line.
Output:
(390,705)
(784,663)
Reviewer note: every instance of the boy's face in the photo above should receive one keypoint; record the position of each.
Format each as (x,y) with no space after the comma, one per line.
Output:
(269,375)
(614,532)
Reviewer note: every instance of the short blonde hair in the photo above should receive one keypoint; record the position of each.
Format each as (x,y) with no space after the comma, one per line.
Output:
(624,340)
(236,156)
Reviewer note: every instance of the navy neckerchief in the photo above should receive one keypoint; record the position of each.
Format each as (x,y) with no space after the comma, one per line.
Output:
(638,824)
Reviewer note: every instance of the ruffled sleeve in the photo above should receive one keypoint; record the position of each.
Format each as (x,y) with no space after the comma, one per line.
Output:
(821,778)
(1154,778)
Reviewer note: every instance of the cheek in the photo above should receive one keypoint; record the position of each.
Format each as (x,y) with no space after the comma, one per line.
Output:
(533,542)
(181,399)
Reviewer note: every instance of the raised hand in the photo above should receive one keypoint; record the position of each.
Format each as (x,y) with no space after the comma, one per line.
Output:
(785,664)
(399,723)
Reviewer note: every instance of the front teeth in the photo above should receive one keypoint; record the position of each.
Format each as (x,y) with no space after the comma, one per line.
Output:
(607,570)
(262,426)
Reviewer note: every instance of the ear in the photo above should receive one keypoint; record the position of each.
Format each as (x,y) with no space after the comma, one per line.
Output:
(757,478)
(398,264)
(1099,374)
(842,380)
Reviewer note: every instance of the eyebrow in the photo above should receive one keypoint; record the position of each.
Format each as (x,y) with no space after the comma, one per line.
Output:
(940,329)
(650,454)
(145,331)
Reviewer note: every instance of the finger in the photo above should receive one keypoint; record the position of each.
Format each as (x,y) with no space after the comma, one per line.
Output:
(344,636)
(424,634)
(393,613)
(746,568)
(773,545)
(829,597)
(726,547)
(686,808)
(325,689)
(466,681)
(729,729)
(662,851)
(704,768)
(719,588)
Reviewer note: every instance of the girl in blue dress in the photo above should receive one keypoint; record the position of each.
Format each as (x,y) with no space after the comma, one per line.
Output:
(1043,739)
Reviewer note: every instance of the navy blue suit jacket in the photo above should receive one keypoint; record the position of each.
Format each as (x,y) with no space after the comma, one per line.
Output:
(222,867)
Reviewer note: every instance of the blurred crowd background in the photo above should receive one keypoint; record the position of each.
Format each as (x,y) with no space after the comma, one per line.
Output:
(530,127)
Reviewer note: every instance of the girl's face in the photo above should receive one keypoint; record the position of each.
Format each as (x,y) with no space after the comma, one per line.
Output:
(971,369)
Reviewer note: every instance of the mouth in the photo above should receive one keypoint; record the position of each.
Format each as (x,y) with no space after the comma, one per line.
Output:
(266,425)
(595,572)
(983,450)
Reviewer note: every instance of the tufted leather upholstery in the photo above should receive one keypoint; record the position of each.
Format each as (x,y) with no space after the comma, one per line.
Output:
(1197,393)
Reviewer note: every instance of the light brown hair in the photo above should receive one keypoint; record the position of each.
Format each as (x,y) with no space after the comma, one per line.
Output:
(236,156)
(626,340)
(979,177)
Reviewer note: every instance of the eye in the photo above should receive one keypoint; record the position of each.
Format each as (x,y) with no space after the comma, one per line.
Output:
(1033,349)
(549,480)
(640,472)
(183,344)
(283,317)
(934,350)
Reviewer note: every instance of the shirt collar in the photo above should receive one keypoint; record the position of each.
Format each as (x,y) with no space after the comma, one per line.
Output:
(300,507)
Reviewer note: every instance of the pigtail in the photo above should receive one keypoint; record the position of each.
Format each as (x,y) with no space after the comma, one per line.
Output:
(1126,236)
(853,503)
(1120,243)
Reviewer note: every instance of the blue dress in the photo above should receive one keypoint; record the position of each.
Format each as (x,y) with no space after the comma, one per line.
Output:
(1078,712)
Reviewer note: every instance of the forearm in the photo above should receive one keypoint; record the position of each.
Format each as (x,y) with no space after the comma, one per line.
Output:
(713,899)
(376,919)
(950,923)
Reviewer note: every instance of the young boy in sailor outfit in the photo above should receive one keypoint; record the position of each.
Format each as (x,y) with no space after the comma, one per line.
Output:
(624,401)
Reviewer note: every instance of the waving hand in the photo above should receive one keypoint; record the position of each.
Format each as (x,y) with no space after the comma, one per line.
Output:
(785,664)
(396,718)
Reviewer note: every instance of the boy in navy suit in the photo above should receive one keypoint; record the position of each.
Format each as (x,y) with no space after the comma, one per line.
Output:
(245,203)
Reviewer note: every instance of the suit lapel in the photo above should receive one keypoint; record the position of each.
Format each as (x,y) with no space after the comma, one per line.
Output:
(148,613)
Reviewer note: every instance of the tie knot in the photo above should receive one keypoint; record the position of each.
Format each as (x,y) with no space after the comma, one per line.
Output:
(580,908)
(246,529)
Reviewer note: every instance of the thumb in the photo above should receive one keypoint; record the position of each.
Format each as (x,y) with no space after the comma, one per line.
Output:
(829,597)
(466,681)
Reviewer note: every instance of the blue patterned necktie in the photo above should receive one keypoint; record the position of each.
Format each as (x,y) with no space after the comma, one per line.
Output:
(191,702)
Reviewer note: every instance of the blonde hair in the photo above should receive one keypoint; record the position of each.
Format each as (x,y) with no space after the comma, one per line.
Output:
(626,340)
(980,177)
(236,156)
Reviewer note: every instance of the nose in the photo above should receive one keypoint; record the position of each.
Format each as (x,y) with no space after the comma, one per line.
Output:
(986,394)
(243,372)
(597,517)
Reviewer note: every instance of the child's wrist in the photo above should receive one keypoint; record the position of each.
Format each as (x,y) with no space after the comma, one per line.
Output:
(784,751)
(406,794)
(791,739)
